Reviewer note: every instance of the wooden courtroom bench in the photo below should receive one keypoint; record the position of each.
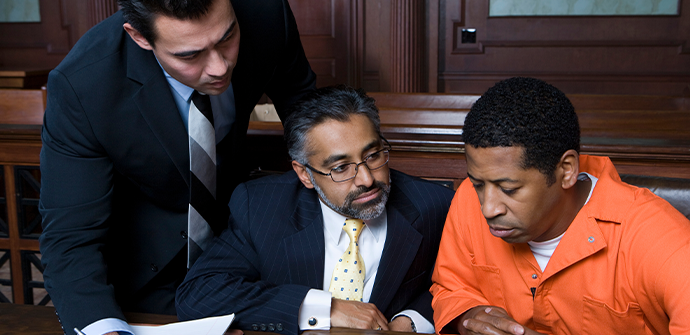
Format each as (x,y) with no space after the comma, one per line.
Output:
(643,135)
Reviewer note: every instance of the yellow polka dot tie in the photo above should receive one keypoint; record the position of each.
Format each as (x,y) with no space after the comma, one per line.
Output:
(347,282)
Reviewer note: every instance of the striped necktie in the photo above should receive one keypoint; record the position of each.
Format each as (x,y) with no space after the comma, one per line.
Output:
(347,282)
(202,164)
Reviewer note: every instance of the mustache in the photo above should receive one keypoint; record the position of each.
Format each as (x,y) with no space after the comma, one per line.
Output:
(363,189)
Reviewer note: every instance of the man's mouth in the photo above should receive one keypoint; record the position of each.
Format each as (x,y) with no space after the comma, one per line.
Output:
(219,83)
(501,231)
(368,196)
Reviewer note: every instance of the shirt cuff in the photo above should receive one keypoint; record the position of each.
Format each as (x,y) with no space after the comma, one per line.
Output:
(315,312)
(108,325)
(422,324)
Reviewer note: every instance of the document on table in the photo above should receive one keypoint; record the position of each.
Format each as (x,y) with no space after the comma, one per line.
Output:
(216,325)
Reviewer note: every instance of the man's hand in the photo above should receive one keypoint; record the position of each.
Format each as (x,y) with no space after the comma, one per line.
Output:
(356,314)
(490,320)
(401,324)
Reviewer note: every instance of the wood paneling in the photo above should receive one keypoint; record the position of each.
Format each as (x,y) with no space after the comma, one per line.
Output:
(578,54)
(326,30)
(407,39)
(42,45)
(643,135)
(365,44)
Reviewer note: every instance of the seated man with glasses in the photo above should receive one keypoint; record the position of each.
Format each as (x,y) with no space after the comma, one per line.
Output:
(341,241)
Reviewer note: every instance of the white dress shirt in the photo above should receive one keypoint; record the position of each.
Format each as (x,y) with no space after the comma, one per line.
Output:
(317,303)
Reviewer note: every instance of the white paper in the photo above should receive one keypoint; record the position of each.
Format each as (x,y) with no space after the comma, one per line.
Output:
(216,325)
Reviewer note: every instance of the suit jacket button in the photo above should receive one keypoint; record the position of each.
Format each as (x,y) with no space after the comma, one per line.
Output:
(263,327)
(255,327)
(154,268)
(271,327)
(279,327)
(183,234)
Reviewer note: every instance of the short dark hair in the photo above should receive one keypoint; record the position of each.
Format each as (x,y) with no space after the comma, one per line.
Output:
(528,113)
(141,13)
(327,103)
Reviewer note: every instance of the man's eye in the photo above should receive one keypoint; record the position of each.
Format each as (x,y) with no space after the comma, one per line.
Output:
(508,191)
(374,156)
(477,186)
(190,57)
(341,168)
(227,38)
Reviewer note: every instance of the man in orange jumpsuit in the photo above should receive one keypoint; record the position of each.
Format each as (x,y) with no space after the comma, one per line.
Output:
(541,239)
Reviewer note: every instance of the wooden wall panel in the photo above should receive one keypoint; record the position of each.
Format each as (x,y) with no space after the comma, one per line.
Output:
(578,54)
(326,29)
(42,45)
(352,41)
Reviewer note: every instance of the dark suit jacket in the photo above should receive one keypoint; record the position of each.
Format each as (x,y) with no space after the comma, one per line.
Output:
(115,162)
(262,267)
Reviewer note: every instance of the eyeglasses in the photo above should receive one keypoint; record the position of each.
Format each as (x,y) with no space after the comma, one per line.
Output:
(349,171)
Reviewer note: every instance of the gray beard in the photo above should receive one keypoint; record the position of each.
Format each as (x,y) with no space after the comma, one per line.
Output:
(370,210)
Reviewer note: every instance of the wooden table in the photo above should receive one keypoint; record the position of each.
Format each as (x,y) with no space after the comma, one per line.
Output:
(18,319)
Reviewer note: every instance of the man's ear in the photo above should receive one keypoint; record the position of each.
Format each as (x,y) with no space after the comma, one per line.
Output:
(568,168)
(302,174)
(137,37)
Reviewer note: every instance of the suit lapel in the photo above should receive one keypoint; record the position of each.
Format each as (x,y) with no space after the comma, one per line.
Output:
(305,249)
(402,243)
(157,106)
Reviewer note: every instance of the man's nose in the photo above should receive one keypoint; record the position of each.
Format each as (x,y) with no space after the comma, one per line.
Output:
(217,65)
(492,205)
(364,176)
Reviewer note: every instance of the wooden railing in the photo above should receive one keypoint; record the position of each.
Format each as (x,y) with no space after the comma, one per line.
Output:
(21,117)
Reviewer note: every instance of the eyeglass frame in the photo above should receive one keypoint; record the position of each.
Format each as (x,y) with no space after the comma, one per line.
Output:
(330,174)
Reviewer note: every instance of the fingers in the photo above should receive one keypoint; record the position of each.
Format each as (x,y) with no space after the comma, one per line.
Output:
(381,319)
(493,321)
(355,314)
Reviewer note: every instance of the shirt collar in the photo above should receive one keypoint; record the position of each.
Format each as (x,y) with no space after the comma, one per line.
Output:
(333,224)
(182,90)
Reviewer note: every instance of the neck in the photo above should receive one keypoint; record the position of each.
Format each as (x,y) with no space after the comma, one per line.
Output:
(573,202)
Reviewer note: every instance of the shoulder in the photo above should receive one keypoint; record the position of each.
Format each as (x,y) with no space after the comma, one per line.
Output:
(422,193)
(283,186)
(100,43)
(411,184)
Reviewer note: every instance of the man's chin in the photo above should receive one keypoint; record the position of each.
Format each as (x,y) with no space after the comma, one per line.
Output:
(371,209)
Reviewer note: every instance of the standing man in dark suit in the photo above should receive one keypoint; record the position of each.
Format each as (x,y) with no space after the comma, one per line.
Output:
(115,162)
(278,264)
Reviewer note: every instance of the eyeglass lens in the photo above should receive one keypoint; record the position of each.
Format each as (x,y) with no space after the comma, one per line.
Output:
(348,171)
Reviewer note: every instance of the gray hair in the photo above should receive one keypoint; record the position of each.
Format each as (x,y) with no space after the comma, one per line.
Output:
(327,103)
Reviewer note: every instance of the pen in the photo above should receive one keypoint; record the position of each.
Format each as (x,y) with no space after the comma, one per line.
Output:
(78,331)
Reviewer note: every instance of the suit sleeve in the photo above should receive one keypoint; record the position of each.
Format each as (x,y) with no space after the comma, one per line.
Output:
(225,280)
(455,288)
(75,204)
(293,77)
